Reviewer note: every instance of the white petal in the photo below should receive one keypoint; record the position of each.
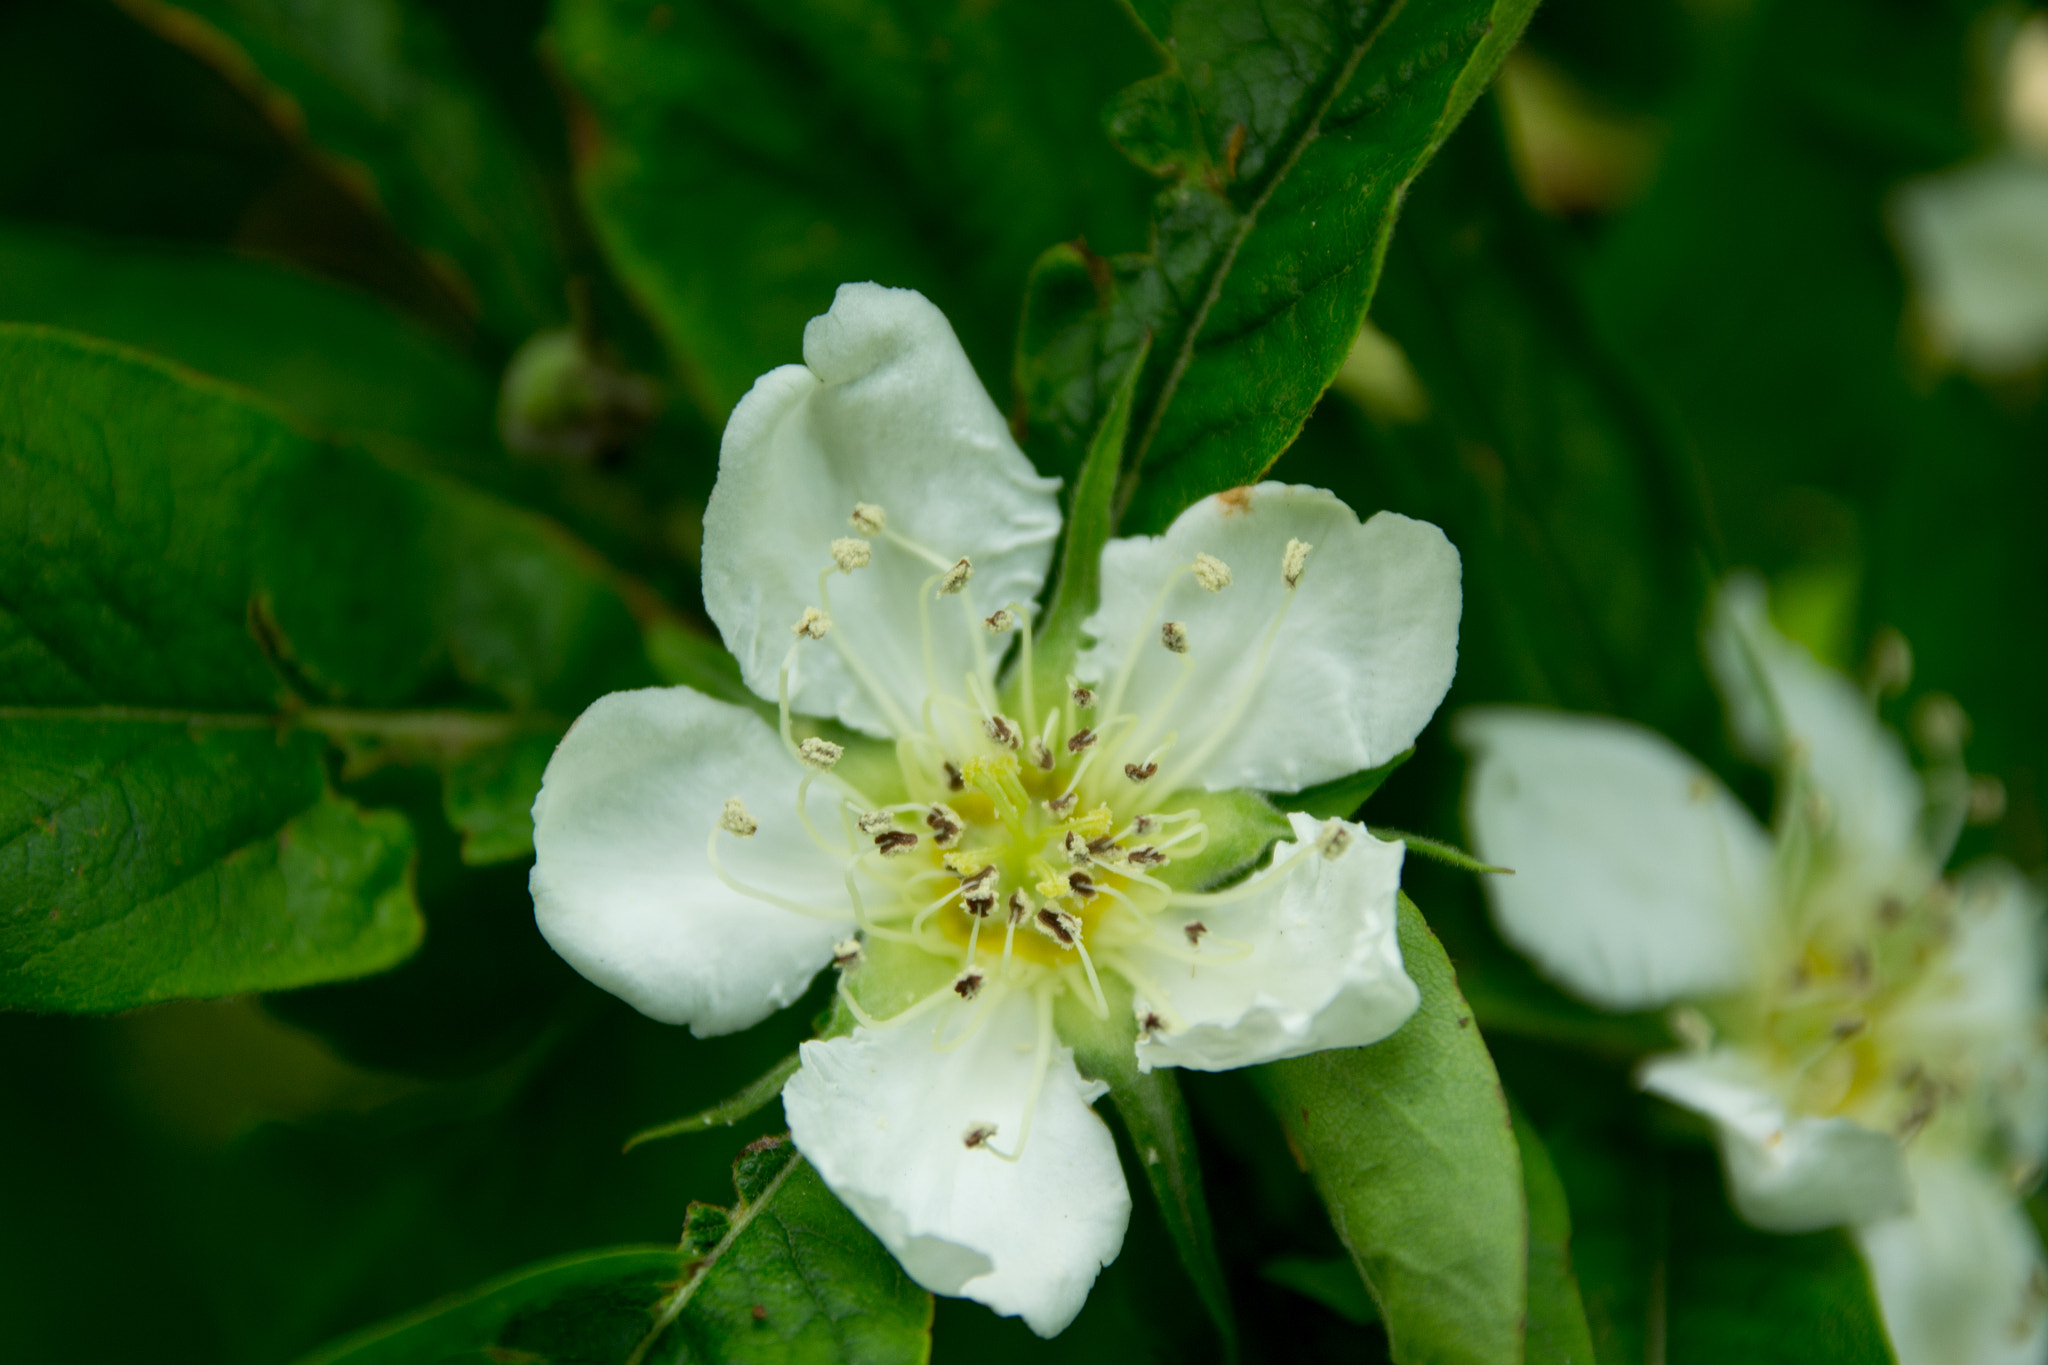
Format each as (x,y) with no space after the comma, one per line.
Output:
(1960,1279)
(1785,1174)
(1324,966)
(623,887)
(885,410)
(1974,241)
(1638,878)
(1778,694)
(883,1116)
(1355,671)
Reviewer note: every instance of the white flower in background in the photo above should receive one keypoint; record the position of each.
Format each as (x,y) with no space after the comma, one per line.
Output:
(1866,1035)
(873,551)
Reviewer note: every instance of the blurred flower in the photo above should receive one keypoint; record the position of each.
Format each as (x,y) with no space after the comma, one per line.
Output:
(562,398)
(1011,861)
(1865,1034)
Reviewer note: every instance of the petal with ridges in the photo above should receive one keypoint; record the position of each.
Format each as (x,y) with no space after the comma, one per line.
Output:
(1785,1174)
(883,1116)
(1323,968)
(623,887)
(1638,879)
(1356,669)
(885,410)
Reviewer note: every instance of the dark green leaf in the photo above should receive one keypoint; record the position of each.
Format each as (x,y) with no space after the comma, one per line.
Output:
(784,1276)
(188,594)
(1411,1148)
(1303,124)
(740,161)
(1163,1140)
(1557,1334)
(377,90)
(1342,798)
(1331,1281)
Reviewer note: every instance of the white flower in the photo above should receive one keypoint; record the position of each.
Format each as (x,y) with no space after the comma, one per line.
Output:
(1012,851)
(1867,1035)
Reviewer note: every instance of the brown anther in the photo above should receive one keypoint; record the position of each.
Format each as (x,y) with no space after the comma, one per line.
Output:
(954,780)
(1140,772)
(1174,635)
(1060,805)
(1001,621)
(1195,931)
(1144,824)
(1041,757)
(967,985)
(1020,908)
(1084,697)
(1083,738)
(978,877)
(978,1135)
(1151,1023)
(1144,855)
(847,953)
(980,904)
(1059,926)
(894,842)
(1076,847)
(1082,885)
(1002,730)
(945,824)
(1098,847)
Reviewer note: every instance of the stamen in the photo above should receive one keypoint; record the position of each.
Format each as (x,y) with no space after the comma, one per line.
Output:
(1082,885)
(820,753)
(847,953)
(1058,925)
(1140,772)
(765,897)
(1174,635)
(945,823)
(812,625)
(978,1135)
(1333,839)
(1000,622)
(734,819)
(1212,573)
(955,578)
(967,985)
(1002,730)
(1041,756)
(1195,931)
(874,822)
(895,842)
(868,519)
(1076,847)
(1146,856)
(1058,806)
(1041,1059)
(1020,911)
(1081,739)
(955,780)
(851,552)
(1084,697)
(1294,561)
(1094,981)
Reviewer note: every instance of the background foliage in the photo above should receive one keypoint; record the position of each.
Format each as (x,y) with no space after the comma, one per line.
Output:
(287,631)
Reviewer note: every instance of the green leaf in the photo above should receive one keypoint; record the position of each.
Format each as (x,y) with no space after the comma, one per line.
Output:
(1305,123)
(1411,1148)
(785,1277)
(1163,1140)
(1437,851)
(741,161)
(376,91)
(1342,797)
(187,602)
(757,1095)
(1557,1334)
(1090,519)
(1331,1281)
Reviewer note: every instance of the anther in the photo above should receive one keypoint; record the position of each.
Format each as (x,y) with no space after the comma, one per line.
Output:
(734,819)
(1145,856)
(1174,635)
(945,824)
(1002,730)
(819,753)
(1082,885)
(1001,621)
(1083,738)
(1084,697)
(967,985)
(1333,839)
(981,902)
(1140,772)
(874,822)
(895,842)
(956,577)
(851,552)
(1143,825)
(868,519)
(978,1135)
(1212,573)
(1196,931)
(954,780)
(1294,562)
(1019,906)
(812,625)
(1059,926)
(1041,756)
(1059,805)
(1076,847)
(847,954)
(1151,1023)
(1098,847)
